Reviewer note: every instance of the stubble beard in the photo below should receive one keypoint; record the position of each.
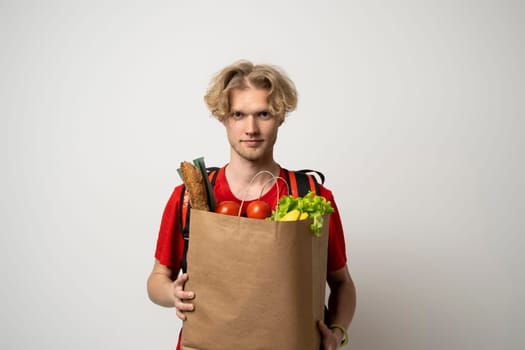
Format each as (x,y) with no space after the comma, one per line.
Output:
(252,155)
(262,153)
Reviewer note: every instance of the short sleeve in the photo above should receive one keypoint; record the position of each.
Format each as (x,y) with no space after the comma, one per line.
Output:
(336,240)
(170,244)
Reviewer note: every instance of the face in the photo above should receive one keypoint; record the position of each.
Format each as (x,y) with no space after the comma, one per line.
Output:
(251,129)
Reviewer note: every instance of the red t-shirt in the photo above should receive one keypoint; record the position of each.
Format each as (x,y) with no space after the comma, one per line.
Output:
(170,243)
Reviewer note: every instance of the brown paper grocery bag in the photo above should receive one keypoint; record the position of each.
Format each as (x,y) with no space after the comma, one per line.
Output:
(258,284)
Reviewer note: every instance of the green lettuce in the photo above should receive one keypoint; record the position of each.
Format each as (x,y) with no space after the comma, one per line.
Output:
(315,206)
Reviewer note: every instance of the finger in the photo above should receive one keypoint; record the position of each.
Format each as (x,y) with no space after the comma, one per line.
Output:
(178,288)
(181,306)
(325,331)
(184,295)
(181,315)
(327,336)
(179,282)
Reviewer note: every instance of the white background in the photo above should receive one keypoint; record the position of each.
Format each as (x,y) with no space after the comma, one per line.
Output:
(412,109)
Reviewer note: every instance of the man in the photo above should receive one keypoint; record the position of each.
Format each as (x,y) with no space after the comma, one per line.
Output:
(251,101)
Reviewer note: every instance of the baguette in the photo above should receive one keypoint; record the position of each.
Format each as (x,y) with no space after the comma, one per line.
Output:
(194,183)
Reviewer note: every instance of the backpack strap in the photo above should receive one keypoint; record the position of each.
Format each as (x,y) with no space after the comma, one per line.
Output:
(302,181)
(316,173)
(185,209)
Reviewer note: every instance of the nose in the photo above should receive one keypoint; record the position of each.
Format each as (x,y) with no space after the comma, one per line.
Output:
(252,127)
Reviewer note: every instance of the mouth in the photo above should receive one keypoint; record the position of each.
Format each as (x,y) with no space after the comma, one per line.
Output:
(252,143)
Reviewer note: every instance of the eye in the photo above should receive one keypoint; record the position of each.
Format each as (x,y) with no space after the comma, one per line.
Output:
(237,115)
(264,115)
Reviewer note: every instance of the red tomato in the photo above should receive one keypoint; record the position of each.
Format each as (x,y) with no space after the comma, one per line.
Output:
(228,208)
(258,210)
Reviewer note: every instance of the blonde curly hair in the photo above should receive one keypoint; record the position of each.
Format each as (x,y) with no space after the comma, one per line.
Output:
(282,95)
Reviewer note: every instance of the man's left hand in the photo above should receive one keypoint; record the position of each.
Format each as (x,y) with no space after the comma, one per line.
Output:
(331,338)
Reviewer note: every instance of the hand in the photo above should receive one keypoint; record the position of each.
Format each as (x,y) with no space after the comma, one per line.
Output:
(331,338)
(181,296)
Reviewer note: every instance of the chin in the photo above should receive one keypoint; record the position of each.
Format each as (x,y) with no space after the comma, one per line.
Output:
(252,156)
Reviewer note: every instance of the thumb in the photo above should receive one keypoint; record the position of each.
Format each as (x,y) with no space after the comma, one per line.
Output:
(323,328)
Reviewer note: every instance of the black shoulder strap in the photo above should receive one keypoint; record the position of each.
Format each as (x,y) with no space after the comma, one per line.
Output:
(319,174)
(301,181)
(213,171)
(307,182)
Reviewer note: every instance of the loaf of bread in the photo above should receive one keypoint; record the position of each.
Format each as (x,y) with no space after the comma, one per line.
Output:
(194,183)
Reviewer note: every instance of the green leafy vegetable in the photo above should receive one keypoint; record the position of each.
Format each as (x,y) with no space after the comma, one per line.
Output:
(314,206)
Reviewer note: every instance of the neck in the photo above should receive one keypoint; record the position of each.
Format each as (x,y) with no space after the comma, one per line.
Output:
(243,179)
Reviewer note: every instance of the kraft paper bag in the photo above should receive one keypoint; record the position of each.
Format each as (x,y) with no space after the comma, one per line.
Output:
(258,284)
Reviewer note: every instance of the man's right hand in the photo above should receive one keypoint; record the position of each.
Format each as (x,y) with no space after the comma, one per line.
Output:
(181,296)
